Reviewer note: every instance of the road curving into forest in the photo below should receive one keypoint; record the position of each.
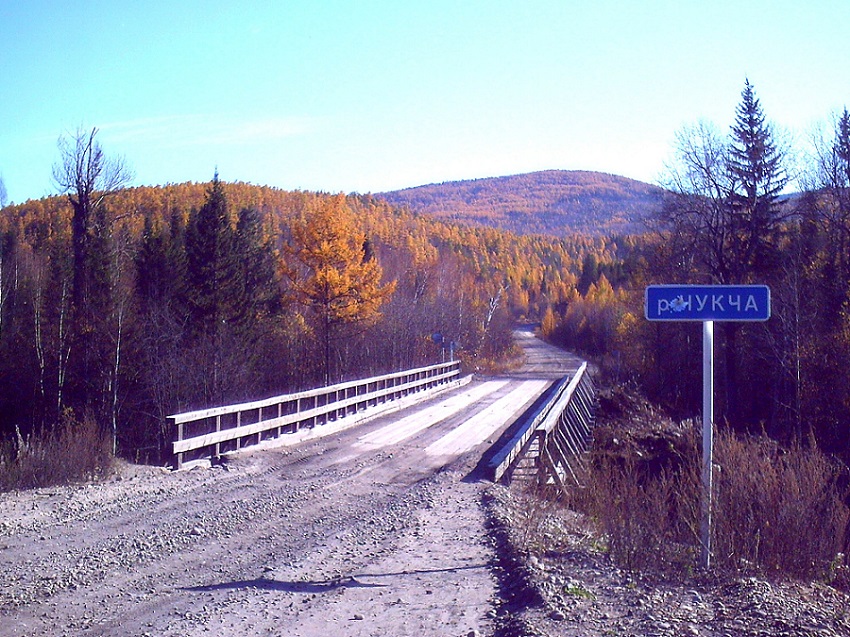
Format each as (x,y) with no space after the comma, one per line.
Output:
(375,530)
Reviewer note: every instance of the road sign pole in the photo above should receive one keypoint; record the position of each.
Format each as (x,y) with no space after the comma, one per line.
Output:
(707,436)
(707,304)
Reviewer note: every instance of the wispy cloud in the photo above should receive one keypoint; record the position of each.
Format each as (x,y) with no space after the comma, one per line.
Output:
(181,131)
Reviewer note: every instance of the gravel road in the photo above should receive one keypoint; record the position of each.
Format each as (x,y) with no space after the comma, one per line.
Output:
(363,532)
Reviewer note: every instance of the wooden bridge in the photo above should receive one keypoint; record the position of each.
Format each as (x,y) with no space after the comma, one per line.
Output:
(550,440)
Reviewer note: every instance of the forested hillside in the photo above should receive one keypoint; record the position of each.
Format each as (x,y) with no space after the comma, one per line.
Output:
(555,202)
(190,295)
(121,306)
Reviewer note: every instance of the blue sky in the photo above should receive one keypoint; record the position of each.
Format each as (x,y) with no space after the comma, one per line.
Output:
(379,95)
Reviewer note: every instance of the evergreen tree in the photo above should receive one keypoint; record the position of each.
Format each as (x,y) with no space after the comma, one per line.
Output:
(151,271)
(589,273)
(724,212)
(757,177)
(261,289)
(214,285)
(160,268)
(723,217)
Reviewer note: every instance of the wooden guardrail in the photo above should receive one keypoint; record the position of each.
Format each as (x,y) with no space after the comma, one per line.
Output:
(558,433)
(565,435)
(210,432)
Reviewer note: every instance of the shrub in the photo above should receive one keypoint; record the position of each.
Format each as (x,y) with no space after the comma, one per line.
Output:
(73,451)
(649,520)
(777,510)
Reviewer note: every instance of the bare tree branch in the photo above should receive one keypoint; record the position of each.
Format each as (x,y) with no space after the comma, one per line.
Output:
(88,177)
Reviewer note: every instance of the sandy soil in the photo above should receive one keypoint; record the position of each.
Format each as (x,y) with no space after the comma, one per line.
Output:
(363,532)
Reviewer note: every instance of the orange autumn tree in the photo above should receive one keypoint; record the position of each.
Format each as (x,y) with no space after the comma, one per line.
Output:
(333,270)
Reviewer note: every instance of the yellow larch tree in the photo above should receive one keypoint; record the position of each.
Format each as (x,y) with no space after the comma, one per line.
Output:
(333,270)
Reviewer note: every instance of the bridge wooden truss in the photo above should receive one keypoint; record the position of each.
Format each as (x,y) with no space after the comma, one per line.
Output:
(554,437)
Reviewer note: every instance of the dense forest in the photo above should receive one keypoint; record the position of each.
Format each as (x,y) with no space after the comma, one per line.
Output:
(120,306)
(555,202)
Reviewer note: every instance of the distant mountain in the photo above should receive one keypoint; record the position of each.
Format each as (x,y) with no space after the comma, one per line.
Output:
(551,202)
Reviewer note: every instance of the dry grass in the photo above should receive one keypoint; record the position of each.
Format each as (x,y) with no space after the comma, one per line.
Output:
(73,451)
(776,510)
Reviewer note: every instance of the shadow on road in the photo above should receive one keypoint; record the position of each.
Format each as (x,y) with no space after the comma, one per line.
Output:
(320,586)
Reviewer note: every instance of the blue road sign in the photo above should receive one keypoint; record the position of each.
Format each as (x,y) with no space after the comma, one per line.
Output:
(707,303)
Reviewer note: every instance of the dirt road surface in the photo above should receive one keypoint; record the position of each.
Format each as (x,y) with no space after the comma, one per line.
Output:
(375,530)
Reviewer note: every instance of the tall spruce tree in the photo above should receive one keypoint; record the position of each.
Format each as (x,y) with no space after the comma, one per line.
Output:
(723,217)
(724,211)
(214,285)
(160,268)
(757,177)
(151,266)
(258,262)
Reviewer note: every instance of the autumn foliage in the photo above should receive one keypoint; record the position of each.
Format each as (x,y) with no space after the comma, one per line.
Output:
(334,272)
(192,295)
(218,292)
(554,202)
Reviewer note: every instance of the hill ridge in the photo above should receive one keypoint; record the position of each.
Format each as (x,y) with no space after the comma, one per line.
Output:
(551,202)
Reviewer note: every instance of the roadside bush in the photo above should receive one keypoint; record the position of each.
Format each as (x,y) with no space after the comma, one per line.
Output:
(649,520)
(777,510)
(74,451)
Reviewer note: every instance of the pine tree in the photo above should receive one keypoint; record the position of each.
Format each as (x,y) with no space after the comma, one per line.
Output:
(724,215)
(755,161)
(724,210)
(258,262)
(214,290)
(757,179)
(214,287)
(152,273)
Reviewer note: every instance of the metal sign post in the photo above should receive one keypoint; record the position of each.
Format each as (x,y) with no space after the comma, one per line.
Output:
(707,304)
(707,439)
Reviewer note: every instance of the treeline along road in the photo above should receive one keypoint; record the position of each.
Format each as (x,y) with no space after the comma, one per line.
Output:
(374,530)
